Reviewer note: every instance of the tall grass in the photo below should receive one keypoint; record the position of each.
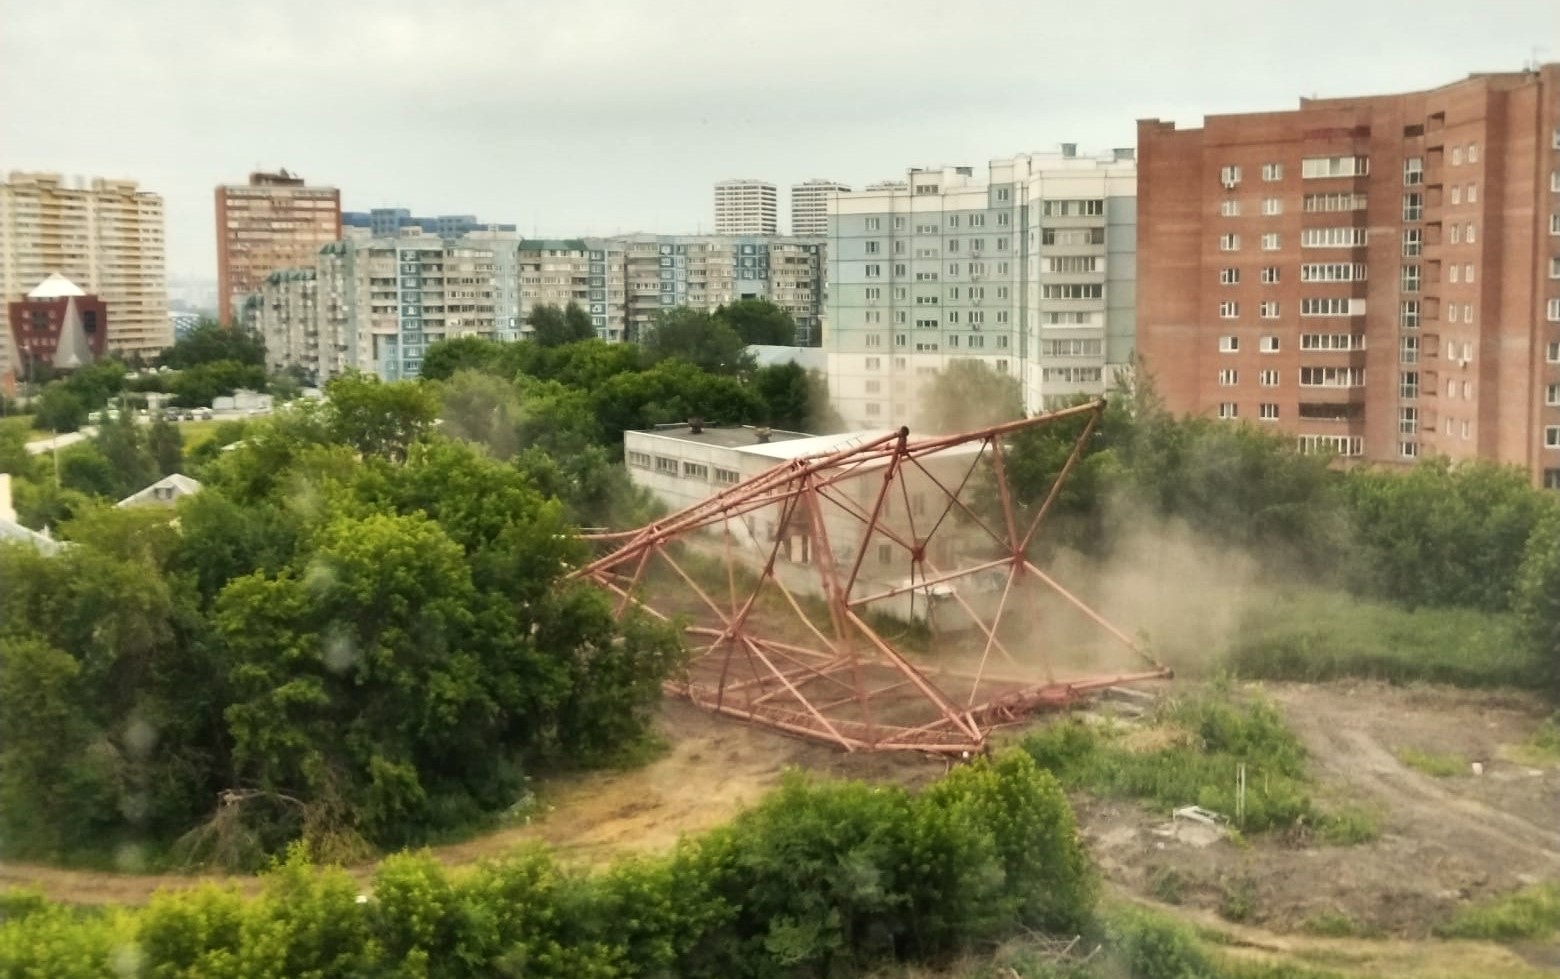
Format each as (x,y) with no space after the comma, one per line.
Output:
(1314,635)
(1191,755)
(1530,913)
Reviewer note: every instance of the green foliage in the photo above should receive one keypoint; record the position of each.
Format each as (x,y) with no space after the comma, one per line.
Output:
(554,327)
(1537,598)
(124,446)
(59,409)
(759,321)
(968,394)
(446,358)
(1333,923)
(210,343)
(795,399)
(820,879)
(1191,757)
(1313,636)
(200,384)
(166,444)
(701,339)
(1530,913)
(377,417)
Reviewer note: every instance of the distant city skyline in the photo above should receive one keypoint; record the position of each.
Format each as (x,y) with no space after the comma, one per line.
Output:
(182,96)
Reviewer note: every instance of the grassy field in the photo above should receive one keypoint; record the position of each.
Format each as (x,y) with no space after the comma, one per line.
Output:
(197,432)
(1316,636)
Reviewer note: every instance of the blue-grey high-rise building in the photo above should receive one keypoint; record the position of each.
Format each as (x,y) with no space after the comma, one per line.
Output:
(387,222)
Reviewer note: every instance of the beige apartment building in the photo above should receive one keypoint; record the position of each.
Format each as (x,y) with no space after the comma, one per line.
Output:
(104,235)
(276,221)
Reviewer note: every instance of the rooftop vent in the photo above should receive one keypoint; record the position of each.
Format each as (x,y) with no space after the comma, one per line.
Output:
(1069,150)
(761,434)
(696,425)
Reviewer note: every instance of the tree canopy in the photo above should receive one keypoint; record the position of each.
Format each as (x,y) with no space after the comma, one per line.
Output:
(702,339)
(210,342)
(759,321)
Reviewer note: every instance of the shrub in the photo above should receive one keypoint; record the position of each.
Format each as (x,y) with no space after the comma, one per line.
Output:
(1532,912)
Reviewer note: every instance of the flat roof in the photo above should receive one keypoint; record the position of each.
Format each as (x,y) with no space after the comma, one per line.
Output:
(729,437)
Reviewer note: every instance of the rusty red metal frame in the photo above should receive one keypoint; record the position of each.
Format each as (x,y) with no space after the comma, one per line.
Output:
(842,680)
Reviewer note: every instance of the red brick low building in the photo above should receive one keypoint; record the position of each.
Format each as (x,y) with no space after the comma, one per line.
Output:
(57,325)
(1378,276)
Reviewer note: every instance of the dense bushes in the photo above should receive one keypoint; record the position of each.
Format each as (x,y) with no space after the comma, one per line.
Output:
(356,634)
(818,880)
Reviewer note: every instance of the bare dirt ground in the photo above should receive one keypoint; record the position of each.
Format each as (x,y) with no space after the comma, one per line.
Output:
(1444,840)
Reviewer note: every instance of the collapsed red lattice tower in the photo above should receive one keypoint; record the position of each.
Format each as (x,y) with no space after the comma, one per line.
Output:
(787,627)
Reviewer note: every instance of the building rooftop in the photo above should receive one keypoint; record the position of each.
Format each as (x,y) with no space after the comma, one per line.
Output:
(56,286)
(729,437)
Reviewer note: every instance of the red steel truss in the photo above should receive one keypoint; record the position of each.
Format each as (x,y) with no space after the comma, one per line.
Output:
(797,645)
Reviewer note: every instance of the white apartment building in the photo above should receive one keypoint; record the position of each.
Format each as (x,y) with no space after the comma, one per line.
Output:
(1030,268)
(746,207)
(810,206)
(104,235)
(379,302)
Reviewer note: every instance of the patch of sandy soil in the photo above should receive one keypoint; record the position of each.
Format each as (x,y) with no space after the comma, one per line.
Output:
(1445,841)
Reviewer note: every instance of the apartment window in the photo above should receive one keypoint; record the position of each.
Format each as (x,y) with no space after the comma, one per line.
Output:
(728,476)
(1270,241)
(1267,378)
(1408,385)
(1268,309)
(1552,309)
(1332,377)
(1072,208)
(1229,175)
(1267,411)
(1230,277)
(874,293)
(1468,313)
(1456,193)
(1334,166)
(1230,208)
(1408,450)
(695,470)
(901,293)
(1554,181)
(1229,243)
(1332,341)
(1552,436)
(872,247)
(1408,314)
(1410,278)
(1330,306)
(1067,375)
(1552,352)
(1272,172)
(874,339)
(873,410)
(1268,345)
(1269,275)
(1554,223)
(1229,345)
(1332,272)
(1341,445)
(1228,377)
(1074,290)
(1228,410)
(899,270)
(1229,310)
(1473,193)
(874,363)
(639,459)
(1552,479)
(873,224)
(1408,350)
(1452,275)
(1552,394)
(1414,171)
(874,271)
(1413,207)
(1312,203)
(1348,237)
(1457,156)
(1408,420)
(1272,206)
(899,224)
(1451,311)
(1473,152)
(666,466)
(1456,234)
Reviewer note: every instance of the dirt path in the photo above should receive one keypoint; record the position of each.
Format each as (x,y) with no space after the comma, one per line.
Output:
(713,769)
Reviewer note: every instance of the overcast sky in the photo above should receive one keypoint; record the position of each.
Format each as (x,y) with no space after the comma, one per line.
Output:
(600,116)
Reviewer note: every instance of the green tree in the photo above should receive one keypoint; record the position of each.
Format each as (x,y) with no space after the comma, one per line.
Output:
(200,384)
(672,391)
(59,409)
(796,399)
(85,469)
(759,321)
(210,342)
(446,358)
(965,395)
(123,443)
(166,444)
(1537,598)
(697,337)
(481,408)
(554,327)
(379,417)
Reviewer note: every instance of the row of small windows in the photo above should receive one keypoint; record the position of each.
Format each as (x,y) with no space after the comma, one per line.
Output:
(874,340)
(687,470)
(1310,377)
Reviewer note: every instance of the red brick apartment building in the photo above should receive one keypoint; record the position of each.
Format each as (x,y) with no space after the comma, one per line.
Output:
(1379,276)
